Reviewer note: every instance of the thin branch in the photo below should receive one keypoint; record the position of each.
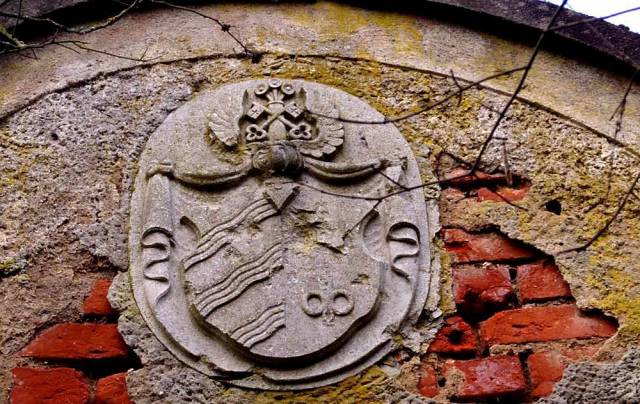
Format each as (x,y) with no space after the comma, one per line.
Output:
(382,173)
(429,107)
(224,27)
(383,197)
(115,55)
(514,95)
(591,19)
(85,30)
(69,44)
(362,219)
(455,81)
(623,102)
(13,41)
(19,14)
(505,162)
(609,222)
(620,110)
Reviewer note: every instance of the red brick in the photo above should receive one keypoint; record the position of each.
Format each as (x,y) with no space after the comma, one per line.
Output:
(112,390)
(49,386)
(456,338)
(548,323)
(458,178)
(468,247)
(545,369)
(488,378)
(541,281)
(97,303)
(428,382)
(481,289)
(502,194)
(78,341)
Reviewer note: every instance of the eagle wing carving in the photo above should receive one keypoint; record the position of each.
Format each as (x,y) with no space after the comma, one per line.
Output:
(224,127)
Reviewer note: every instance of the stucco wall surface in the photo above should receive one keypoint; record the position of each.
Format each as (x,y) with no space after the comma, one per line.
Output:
(72,128)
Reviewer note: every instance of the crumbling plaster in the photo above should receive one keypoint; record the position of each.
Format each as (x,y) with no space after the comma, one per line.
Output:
(63,215)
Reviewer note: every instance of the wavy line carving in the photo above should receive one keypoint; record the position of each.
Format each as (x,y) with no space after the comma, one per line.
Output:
(217,237)
(408,234)
(240,279)
(161,243)
(263,327)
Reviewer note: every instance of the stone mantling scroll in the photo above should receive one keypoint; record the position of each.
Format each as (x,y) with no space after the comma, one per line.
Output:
(273,245)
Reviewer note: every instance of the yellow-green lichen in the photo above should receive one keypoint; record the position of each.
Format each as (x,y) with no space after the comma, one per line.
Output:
(368,387)
(334,21)
(618,294)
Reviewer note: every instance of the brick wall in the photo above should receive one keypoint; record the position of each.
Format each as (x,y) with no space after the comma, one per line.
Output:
(77,363)
(515,326)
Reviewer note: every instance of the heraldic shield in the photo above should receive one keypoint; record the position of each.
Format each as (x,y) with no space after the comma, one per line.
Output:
(275,242)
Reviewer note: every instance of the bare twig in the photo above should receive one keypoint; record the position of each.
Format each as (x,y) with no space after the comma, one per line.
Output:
(429,107)
(592,19)
(382,173)
(70,44)
(630,191)
(18,16)
(514,95)
(84,30)
(362,219)
(224,27)
(455,81)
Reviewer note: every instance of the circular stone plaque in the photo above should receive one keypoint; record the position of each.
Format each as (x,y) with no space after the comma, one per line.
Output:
(273,243)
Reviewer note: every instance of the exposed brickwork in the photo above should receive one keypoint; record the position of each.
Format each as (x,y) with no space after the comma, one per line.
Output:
(502,194)
(481,289)
(515,328)
(470,247)
(545,323)
(484,186)
(509,298)
(97,304)
(488,378)
(457,337)
(78,341)
(460,178)
(49,386)
(95,347)
(541,281)
(112,390)
(545,369)
(428,381)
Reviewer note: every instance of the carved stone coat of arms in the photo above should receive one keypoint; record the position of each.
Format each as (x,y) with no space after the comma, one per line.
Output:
(275,242)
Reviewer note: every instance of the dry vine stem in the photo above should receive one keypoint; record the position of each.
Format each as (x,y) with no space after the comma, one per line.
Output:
(12,44)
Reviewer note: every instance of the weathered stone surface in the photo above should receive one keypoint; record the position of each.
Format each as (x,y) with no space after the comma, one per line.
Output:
(599,382)
(566,160)
(296,253)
